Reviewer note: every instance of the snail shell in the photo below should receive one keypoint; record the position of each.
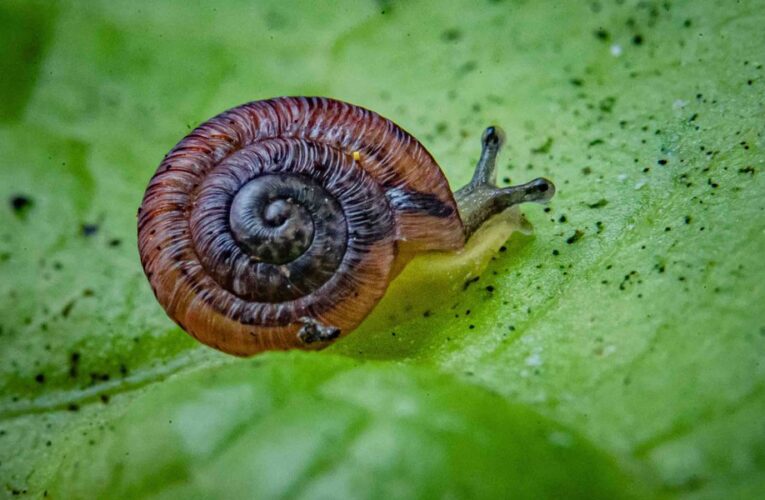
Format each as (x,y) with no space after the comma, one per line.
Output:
(279,223)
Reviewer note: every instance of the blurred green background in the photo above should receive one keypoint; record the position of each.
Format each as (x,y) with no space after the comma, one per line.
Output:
(615,352)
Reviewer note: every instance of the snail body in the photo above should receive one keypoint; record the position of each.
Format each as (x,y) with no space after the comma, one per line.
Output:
(278,224)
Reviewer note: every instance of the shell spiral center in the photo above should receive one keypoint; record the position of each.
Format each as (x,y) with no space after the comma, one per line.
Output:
(274,218)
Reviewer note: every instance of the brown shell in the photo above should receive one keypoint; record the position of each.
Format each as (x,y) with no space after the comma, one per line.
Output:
(387,183)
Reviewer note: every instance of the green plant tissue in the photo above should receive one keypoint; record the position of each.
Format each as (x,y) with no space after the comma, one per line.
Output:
(613,350)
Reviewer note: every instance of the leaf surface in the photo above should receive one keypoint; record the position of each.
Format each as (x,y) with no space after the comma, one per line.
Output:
(629,321)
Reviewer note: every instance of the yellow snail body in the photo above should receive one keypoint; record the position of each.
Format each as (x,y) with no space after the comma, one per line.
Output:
(278,224)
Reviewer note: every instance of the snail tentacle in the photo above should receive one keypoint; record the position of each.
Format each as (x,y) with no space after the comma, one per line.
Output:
(481,198)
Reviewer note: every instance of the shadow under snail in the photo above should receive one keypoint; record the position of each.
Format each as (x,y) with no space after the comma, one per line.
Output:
(278,224)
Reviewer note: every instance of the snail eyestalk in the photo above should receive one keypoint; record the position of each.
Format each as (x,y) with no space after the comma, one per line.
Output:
(481,199)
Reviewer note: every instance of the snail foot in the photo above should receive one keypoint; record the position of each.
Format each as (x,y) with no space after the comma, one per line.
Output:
(313,331)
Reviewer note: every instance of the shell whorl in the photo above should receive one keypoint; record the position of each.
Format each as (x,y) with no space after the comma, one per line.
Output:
(271,218)
(286,209)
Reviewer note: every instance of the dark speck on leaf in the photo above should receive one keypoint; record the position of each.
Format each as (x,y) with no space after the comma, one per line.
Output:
(470,282)
(89,229)
(746,170)
(662,162)
(637,39)
(598,204)
(607,104)
(555,252)
(73,407)
(67,309)
(575,237)
(21,204)
(576,82)
(40,378)
(74,362)
(602,34)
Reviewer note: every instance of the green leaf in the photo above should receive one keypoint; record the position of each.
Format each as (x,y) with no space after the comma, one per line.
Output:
(629,320)
(319,426)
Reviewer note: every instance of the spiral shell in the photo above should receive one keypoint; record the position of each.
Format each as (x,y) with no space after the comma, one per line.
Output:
(286,211)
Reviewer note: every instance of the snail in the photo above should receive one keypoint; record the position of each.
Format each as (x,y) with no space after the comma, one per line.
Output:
(278,224)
